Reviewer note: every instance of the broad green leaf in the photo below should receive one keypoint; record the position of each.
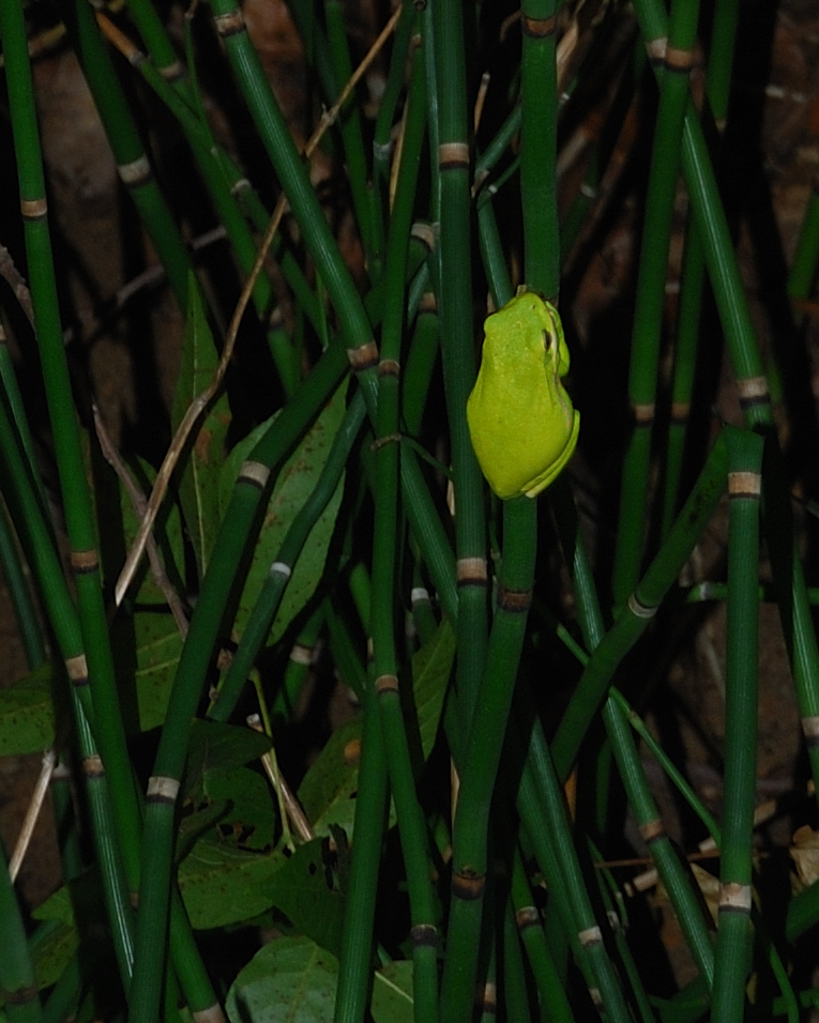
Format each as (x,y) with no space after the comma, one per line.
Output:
(431,668)
(81,897)
(289,979)
(293,979)
(202,461)
(146,649)
(54,953)
(302,892)
(294,484)
(223,885)
(193,825)
(328,790)
(27,714)
(158,646)
(392,1000)
(252,813)
(215,746)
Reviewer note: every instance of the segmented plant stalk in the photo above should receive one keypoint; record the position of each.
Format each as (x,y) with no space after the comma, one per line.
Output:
(22,1002)
(754,395)
(640,609)
(106,717)
(454,289)
(734,931)
(648,314)
(133,166)
(480,764)
(692,278)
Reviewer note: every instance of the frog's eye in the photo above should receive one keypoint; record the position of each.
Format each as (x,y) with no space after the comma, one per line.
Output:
(549,342)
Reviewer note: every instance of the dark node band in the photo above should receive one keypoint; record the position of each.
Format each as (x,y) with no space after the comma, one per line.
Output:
(514,601)
(468,887)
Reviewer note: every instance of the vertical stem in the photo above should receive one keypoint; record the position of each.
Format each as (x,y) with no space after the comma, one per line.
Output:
(734,932)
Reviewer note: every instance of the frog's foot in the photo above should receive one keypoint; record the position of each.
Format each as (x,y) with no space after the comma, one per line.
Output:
(555,468)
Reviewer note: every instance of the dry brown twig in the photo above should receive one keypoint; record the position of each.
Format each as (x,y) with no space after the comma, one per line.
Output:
(200,403)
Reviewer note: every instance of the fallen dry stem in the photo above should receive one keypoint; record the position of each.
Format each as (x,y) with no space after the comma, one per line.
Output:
(201,402)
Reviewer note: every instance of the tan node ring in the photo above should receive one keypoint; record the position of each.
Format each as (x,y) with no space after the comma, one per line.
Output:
(471,572)
(527,916)
(656,50)
(643,413)
(424,233)
(753,391)
(386,684)
(93,767)
(172,72)
(363,357)
(488,1001)
(538,28)
(424,935)
(162,789)
(34,209)
(468,887)
(638,609)
(744,484)
(77,669)
(652,831)
(514,601)
(453,156)
(136,173)
(381,442)
(389,368)
(229,24)
(680,411)
(301,654)
(84,562)
(590,936)
(429,303)
(679,61)
(213,1014)
(735,898)
(810,729)
(21,996)
(254,473)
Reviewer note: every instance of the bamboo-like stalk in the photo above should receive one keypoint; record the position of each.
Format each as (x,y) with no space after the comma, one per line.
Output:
(480,764)
(640,609)
(718,82)
(543,812)
(261,619)
(734,932)
(538,143)
(106,717)
(553,1000)
(171,73)
(451,202)
(357,938)
(648,314)
(132,162)
(350,123)
(754,393)
(25,612)
(22,1002)
(382,624)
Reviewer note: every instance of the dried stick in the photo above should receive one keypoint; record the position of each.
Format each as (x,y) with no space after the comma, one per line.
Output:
(200,403)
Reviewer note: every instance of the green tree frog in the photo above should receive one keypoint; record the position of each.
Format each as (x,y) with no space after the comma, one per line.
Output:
(521,420)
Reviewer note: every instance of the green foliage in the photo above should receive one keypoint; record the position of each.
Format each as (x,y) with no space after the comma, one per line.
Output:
(27,716)
(295,979)
(294,483)
(198,487)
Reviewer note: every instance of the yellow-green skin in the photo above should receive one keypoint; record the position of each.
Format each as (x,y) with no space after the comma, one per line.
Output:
(521,420)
